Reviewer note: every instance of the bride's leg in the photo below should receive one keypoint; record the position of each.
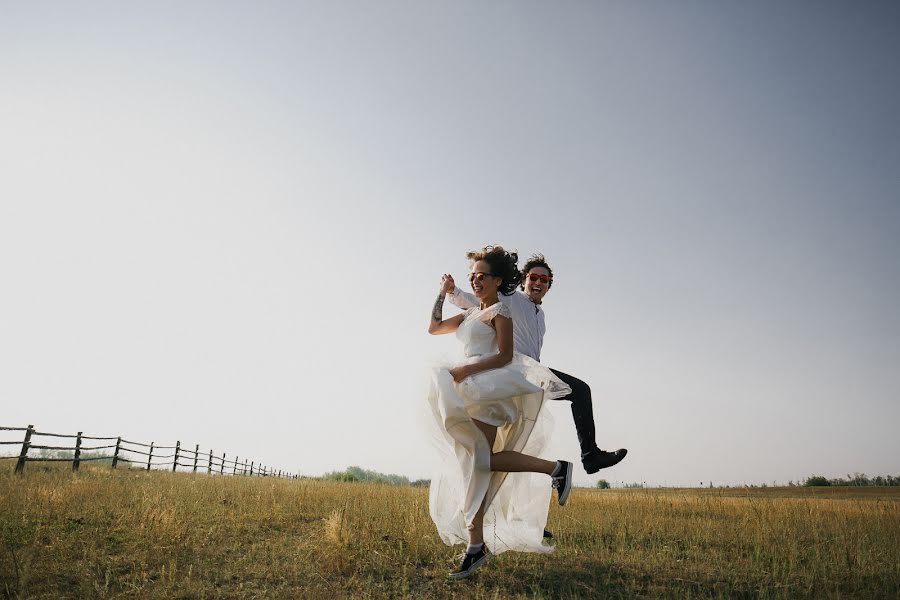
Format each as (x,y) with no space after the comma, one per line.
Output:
(516,462)
(513,462)
(476,532)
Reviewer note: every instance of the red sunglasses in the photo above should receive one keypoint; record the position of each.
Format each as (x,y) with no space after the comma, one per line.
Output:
(536,277)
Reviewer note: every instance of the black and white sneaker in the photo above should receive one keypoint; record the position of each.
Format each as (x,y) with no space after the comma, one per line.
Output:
(470,562)
(563,481)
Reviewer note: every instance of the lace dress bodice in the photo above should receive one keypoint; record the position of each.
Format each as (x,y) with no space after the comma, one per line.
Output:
(476,334)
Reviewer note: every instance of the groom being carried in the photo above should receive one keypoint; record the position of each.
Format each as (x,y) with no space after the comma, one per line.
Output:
(528,337)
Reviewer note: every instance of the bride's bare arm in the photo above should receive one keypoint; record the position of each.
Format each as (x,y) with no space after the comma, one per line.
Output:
(438,324)
(504,327)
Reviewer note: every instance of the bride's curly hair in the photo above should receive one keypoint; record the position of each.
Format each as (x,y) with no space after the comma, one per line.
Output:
(503,264)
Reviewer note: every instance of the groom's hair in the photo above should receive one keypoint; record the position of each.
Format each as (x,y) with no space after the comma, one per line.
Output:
(537,260)
(503,264)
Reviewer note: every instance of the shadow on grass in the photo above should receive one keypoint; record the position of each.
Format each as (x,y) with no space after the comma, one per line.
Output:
(588,579)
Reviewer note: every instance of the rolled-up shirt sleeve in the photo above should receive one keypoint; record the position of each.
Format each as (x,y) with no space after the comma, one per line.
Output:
(462,299)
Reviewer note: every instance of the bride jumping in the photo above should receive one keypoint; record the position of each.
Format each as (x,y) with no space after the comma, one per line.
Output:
(490,426)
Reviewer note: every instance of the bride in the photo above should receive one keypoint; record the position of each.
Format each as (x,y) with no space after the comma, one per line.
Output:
(490,426)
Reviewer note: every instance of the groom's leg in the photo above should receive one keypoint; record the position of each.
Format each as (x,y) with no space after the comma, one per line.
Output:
(582,411)
(592,458)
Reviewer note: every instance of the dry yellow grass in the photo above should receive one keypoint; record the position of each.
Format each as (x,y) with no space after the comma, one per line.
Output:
(132,534)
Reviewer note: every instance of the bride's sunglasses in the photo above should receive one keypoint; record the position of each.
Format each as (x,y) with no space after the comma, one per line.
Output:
(479,276)
(536,277)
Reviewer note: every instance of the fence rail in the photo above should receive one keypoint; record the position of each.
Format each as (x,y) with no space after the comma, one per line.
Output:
(182,457)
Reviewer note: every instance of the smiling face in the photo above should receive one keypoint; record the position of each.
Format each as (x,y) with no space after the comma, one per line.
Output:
(484,285)
(537,283)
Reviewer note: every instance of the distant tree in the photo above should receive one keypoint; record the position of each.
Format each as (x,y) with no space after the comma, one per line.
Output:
(817,481)
(856,479)
(859,479)
(603,484)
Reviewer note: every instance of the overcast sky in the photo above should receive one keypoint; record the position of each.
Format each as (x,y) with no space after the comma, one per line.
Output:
(224,223)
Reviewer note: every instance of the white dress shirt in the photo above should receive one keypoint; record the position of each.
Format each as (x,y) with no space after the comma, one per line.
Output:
(528,319)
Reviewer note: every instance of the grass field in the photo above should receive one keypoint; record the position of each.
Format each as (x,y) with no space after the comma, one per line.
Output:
(109,534)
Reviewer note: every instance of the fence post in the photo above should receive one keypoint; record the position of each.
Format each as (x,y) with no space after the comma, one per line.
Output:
(150,456)
(196,456)
(76,461)
(209,463)
(251,468)
(222,466)
(23,454)
(234,470)
(116,453)
(175,462)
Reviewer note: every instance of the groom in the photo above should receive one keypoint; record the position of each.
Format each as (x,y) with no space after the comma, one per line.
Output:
(528,337)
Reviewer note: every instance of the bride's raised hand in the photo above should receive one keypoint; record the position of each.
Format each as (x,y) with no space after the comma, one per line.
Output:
(447,284)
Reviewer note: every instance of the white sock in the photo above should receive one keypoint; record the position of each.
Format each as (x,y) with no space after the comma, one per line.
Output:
(558,470)
(473,548)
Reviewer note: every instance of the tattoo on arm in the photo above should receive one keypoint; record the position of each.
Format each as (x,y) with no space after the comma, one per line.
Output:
(437,311)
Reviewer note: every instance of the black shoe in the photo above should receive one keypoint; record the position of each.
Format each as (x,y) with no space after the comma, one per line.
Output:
(563,482)
(598,459)
(548,534)
(470,562)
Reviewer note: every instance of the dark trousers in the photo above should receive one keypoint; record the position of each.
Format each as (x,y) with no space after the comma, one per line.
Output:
(582,411)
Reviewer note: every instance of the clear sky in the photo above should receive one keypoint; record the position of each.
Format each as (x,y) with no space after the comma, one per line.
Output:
(225,223)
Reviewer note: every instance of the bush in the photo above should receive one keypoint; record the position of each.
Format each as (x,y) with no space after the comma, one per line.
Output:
(359,474)
(603,484)
(817,480)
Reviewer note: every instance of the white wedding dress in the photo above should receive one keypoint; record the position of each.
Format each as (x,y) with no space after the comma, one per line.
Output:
(510,398)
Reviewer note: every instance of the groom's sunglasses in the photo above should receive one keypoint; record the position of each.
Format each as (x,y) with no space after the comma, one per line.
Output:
(536,277)
(479,276)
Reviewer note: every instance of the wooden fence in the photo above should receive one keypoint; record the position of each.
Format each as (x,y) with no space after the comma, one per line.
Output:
(145,456)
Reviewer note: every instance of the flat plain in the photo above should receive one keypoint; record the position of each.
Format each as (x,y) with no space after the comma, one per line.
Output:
(126,533)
